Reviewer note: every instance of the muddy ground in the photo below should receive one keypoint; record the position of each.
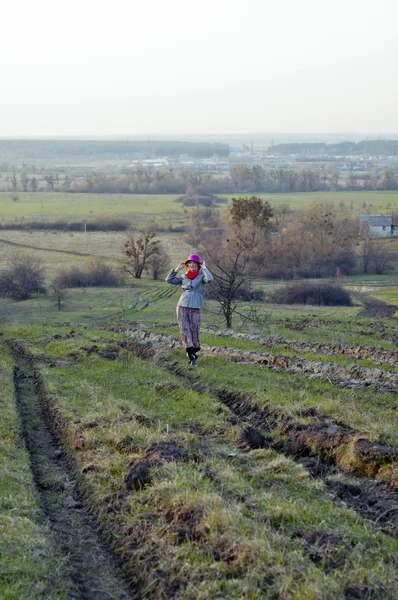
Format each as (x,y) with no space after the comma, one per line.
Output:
(90,571)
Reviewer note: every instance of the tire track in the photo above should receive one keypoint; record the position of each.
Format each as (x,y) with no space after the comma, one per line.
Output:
(90,572)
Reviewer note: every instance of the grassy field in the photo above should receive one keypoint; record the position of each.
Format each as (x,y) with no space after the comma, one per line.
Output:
(162,465)
(60,249)
(47,206)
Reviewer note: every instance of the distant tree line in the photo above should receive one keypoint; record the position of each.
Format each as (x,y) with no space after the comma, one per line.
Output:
(313,179)
(240,178)
(363,148)
(121,149)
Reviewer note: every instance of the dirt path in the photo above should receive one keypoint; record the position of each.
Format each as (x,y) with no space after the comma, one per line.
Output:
(58,250)
(374,307)
(90,572)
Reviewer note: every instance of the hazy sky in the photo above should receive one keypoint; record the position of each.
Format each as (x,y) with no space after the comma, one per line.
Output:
(85,67)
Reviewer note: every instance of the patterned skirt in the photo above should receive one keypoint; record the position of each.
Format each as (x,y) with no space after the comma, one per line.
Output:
(189,323)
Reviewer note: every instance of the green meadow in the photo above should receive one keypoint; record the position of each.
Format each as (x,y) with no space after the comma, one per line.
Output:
(49,206)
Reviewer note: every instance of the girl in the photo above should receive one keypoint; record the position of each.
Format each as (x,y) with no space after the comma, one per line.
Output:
(189,306)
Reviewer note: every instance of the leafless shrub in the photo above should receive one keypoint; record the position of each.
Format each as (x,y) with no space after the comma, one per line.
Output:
(318,294)
(97,274)
(24,277)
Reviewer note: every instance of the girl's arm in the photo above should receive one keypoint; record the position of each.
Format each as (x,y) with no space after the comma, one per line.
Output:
(172,276)
(207,276)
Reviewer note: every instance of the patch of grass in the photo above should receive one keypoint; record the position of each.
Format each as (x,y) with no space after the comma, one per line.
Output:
(389,295)
(97,307)
(29,568)
(58,205)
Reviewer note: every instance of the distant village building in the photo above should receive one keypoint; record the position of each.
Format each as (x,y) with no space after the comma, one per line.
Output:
(378,225)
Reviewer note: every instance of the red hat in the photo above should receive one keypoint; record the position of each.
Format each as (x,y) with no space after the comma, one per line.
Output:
(194,257)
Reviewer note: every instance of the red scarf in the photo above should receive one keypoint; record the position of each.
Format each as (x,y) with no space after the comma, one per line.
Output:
(192,274)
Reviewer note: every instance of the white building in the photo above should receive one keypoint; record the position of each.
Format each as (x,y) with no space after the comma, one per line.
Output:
(379,225)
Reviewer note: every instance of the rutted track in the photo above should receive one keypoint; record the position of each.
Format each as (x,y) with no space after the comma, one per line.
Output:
(377,355)
(324,446)
(344,376)
(91,572)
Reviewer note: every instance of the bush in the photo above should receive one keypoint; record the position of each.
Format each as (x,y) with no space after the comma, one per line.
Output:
(315,294)
(196,200)
(247,295)
(97,225)
(97,274)
(24,277)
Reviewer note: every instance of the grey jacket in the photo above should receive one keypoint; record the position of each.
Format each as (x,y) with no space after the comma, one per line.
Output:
(193,289)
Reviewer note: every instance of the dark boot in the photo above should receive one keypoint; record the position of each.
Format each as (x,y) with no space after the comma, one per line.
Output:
(191,356)
(195,355)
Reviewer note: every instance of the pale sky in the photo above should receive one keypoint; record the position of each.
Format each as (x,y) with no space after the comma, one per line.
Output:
(88,67)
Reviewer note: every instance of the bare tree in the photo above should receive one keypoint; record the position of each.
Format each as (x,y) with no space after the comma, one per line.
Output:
(240,174)
(33,184)
(381,257)
(389,180)
(281,213)
(59,294)
(24,277)
(315,242)
(139,249)
(234,253)
(365,250)
(158,263)
(201,220)
(50,179)
(24,181)
(14,182)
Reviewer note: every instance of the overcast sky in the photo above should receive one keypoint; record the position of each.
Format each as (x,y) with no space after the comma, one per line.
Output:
(85,67)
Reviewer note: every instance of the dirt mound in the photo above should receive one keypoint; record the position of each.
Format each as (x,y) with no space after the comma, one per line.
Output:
(374,500)
(360,352)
